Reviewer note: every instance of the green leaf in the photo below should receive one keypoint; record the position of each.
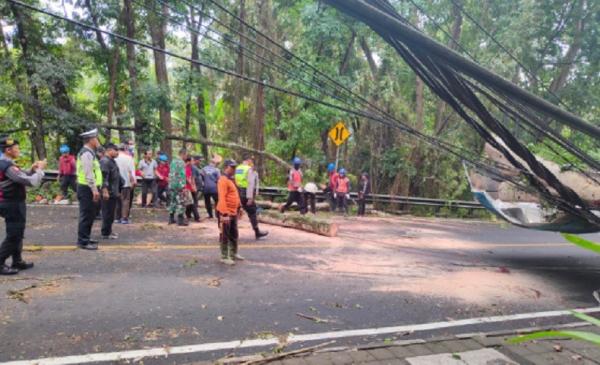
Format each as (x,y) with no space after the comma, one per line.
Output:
(581,242)
(585,317)
(579,335)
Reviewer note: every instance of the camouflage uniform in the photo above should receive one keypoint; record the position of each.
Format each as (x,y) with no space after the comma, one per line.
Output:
(177,191)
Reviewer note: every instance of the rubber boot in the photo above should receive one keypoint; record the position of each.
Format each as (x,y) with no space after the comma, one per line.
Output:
(234,252)
(171,218)
(181,221)
(259,234)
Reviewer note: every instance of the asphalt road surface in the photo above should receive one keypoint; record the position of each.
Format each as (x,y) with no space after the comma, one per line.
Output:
(161,286)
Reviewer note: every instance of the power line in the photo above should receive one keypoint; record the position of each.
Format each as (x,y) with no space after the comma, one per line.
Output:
(431,140)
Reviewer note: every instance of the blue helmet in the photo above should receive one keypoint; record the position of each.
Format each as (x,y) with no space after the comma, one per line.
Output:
(163,157)
(297,161)
(64,149)
(342,171)
(331,167)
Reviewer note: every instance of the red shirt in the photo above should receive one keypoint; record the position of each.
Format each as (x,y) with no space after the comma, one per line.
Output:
(66,165)
(333,179)
(188,177)
(163,169)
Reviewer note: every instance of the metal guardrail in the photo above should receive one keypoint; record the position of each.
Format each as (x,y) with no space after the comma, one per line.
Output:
(278,192)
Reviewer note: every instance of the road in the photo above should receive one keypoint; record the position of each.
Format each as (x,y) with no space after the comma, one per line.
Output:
(160,285)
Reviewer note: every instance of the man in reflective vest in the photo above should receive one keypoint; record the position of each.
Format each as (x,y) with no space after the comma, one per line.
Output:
(247,181)
(342,191)
(13,181)
(295,188)
(89,180)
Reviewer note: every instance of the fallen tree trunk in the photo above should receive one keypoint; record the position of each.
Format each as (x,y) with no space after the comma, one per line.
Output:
(265,204)
(305,223)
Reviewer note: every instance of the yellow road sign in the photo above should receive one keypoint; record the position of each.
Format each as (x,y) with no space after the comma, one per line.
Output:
(339,133)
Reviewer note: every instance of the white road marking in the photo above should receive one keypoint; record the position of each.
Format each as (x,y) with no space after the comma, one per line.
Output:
(231,345)
(476,357)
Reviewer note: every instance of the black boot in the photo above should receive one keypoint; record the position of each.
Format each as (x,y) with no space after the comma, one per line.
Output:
(22,265)
(171,218)
(258,234)
(181,221)
(5,270)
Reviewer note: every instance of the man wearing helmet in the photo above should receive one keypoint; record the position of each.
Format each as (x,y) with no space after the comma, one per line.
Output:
(295,188)
(342,191)
(330,189)
(66,172)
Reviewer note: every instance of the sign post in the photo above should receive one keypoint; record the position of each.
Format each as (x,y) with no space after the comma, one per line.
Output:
(339,134)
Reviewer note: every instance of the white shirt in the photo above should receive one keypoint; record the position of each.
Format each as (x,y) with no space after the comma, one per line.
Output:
(126,168)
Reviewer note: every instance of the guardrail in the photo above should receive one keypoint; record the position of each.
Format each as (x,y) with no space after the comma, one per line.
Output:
(405,201)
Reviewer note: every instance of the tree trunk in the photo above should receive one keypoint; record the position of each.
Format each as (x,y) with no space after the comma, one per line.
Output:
(139,122)
(441,122)
(238,85)
(158,29)
(369,55)
(197,73)
(34,108)
(347,54)
(260,126)
(112,63)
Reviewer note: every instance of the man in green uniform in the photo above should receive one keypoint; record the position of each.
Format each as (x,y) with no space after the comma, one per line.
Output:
(89,179)
(13,181)
(246,179)
(177,192)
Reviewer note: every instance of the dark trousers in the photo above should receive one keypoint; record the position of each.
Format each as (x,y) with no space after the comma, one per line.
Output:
(161,194)
(208,203)
(298,198)
(362,202)
(251,210)
(193,209)
(311,201)
(87,214)
(229,237)
(342,202)
(149,185)
(108,215)
(14,214)
(332,201)
(66,182)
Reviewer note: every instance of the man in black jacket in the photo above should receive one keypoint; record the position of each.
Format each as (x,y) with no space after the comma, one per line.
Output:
(13,181)
(111,190)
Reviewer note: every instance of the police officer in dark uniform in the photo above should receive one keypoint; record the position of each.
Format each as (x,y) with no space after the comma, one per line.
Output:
(12,204)
(89,180)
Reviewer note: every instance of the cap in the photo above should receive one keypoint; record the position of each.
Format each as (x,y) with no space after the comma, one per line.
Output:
(331,167)
(297,161)
(7,142)
(92,133)
(163,157)
(342,171)
(230,163)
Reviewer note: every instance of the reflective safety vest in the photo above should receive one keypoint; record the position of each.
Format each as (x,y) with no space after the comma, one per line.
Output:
(343,185)
(81,174)
(241,176)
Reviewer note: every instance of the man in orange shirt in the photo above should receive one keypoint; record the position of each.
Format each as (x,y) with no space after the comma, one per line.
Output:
(228,207)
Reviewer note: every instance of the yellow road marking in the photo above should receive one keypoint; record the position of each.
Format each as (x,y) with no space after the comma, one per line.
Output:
(202,246)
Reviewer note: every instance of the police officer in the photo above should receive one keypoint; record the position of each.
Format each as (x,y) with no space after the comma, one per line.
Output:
(89,179)
(12,204)
(246,179)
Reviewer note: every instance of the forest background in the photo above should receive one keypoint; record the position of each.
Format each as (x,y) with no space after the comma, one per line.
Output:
(56,79)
